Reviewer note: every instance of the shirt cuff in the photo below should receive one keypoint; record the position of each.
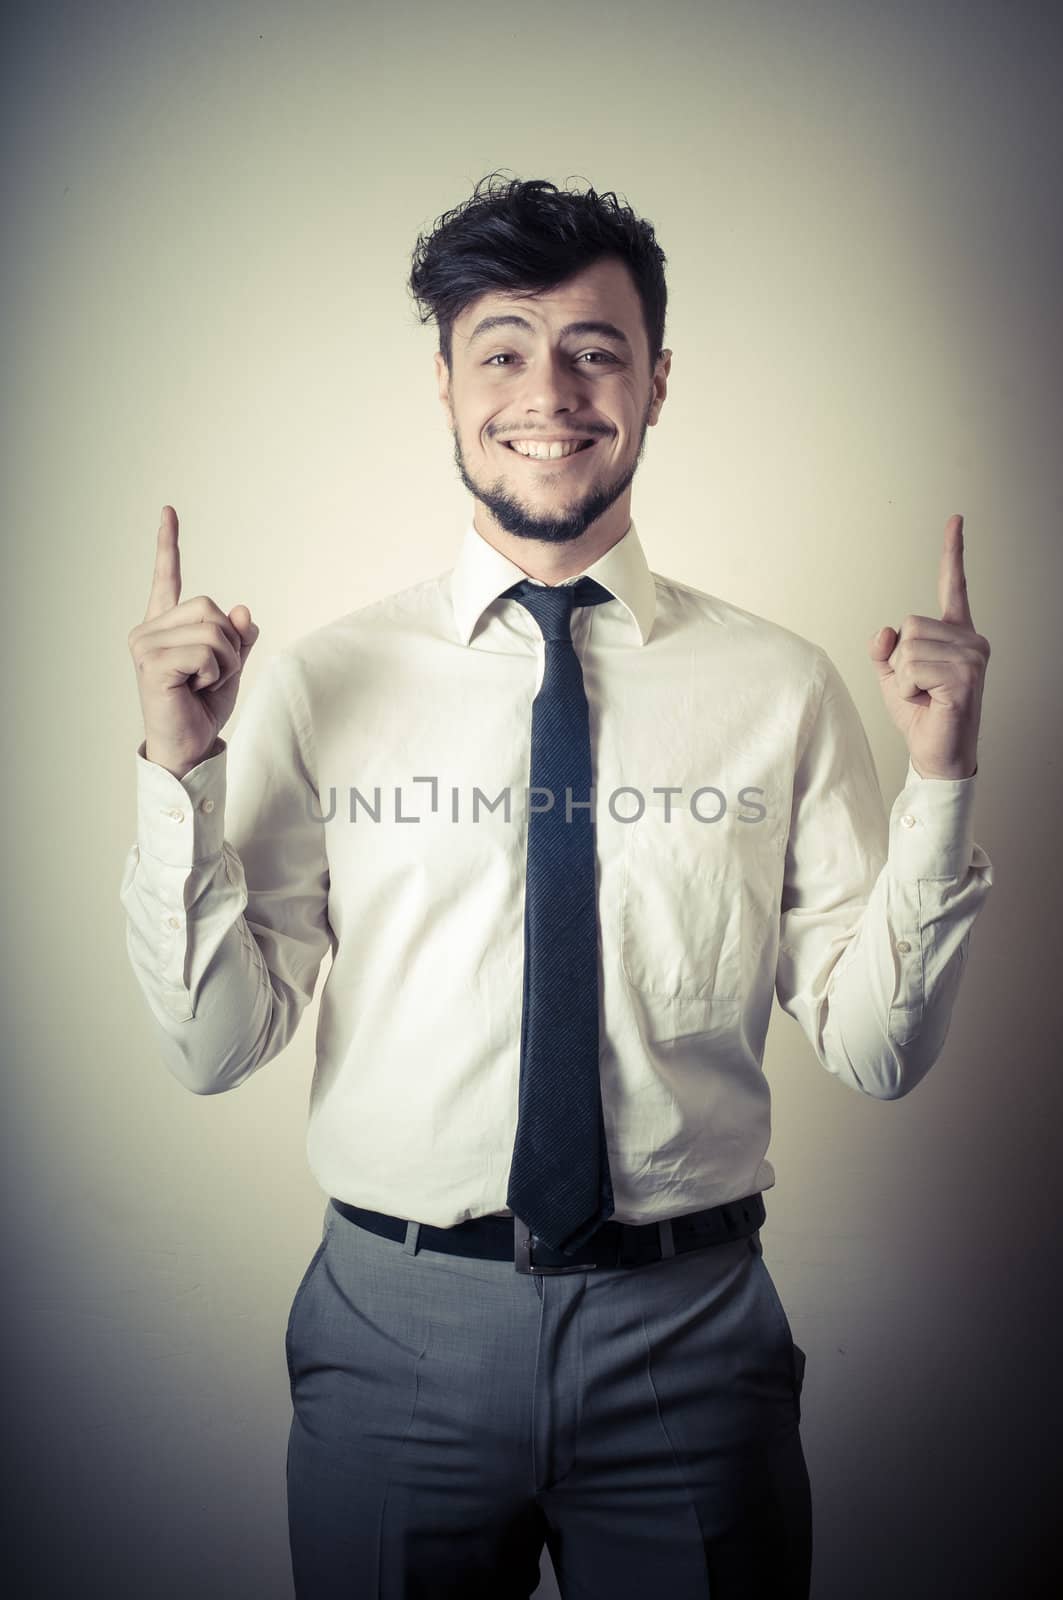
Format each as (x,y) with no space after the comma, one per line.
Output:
(181,820)
(932,827)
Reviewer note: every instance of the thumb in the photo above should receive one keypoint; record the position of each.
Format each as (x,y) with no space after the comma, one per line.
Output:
(240,617)
(881,647)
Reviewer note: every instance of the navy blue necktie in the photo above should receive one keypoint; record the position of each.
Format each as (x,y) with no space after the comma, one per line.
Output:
(559,1181)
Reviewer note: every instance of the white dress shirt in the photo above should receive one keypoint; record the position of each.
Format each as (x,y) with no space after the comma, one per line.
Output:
(759,860)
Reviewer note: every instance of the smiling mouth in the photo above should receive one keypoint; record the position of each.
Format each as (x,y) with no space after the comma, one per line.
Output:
(550,460)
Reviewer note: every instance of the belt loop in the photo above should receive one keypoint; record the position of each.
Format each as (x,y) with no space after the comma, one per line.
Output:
(664,1229)
(413,1231)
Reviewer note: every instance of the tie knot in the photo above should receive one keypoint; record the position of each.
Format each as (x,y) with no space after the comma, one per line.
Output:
(552,606)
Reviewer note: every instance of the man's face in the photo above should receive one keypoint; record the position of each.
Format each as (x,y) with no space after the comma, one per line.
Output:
(540,383)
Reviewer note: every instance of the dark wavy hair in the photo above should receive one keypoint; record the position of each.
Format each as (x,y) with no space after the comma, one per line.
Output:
(529,237)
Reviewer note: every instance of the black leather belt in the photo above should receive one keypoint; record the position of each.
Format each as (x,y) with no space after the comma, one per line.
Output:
(615,1244)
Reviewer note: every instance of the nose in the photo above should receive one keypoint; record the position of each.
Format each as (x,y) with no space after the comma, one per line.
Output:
(552,385)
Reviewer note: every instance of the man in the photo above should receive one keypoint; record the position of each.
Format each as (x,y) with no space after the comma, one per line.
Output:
(565,826)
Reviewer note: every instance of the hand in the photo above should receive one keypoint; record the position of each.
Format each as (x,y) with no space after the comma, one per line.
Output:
(189,656)
(932,673)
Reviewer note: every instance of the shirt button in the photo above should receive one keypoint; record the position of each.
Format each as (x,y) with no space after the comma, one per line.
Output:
(206,805)
(177,814)
(907,821)
(173,922)
(903,946)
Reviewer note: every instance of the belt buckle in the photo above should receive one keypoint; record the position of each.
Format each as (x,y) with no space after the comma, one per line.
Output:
(522,1254)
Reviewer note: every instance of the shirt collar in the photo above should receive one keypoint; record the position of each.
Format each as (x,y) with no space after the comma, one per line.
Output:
(481,573)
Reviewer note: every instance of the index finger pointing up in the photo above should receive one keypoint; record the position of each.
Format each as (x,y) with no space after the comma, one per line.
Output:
(166,580)
(952,581)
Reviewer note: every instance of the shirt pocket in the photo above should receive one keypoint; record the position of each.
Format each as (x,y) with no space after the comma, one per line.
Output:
(683,919)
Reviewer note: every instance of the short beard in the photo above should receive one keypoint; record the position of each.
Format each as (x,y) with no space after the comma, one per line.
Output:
(560,527)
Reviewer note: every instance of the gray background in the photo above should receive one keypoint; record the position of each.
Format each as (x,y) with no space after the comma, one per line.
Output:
(209,213)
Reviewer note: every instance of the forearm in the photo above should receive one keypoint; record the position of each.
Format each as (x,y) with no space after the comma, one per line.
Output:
(888,1001)
(220,1013)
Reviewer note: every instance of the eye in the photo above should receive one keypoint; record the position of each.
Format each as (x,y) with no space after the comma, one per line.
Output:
(502,355)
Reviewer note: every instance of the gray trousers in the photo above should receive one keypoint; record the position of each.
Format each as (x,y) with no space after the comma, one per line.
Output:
(451,1416)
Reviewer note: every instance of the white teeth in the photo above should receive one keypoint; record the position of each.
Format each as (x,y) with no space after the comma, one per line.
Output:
(547,452)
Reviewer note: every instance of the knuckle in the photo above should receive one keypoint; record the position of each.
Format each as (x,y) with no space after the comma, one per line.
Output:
(220,621)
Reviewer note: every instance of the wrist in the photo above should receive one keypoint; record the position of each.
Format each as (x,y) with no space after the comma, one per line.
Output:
(952,775)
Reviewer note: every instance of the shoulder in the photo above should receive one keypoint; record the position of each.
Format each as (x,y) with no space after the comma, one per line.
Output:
(756,639)
(374,629)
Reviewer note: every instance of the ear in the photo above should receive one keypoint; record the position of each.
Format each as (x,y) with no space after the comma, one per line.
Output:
(660,386)
(443,383)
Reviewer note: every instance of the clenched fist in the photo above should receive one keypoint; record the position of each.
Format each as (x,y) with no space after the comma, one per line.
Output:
(189,656)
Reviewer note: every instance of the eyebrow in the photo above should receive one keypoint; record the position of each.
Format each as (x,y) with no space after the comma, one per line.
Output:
(602,330)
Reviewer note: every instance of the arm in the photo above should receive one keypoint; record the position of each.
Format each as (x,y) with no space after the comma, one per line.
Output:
(876,915)
(226,892)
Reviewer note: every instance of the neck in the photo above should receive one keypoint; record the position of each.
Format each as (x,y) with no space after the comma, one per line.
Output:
(550,563)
